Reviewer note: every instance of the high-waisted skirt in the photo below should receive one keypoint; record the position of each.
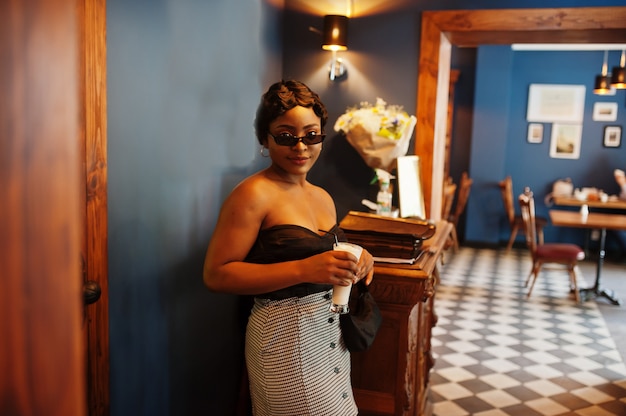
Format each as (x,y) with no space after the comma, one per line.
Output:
(297,361)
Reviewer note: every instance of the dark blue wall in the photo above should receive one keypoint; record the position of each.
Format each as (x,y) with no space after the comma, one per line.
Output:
(184,81)
(499,138)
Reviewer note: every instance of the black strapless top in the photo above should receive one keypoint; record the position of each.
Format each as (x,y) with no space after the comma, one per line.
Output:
(292,242)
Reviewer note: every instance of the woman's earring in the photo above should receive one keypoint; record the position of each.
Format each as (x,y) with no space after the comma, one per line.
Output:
(263,154)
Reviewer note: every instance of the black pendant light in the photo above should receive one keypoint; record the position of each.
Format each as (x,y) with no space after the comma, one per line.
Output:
(618,79)
(603,81)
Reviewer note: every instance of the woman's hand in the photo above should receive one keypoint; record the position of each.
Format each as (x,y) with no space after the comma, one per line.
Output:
(365,267)
(331,267)
(338,268)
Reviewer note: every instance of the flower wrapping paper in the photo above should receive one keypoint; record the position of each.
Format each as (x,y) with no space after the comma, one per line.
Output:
(380,133)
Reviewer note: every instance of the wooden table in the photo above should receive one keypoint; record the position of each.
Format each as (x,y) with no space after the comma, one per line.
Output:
(603,222)
(573,202)
(391,378)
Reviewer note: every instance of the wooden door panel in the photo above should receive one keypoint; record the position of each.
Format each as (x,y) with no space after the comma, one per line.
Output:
(41,359)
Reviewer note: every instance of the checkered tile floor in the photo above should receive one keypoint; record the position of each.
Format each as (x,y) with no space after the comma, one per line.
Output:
(499,353)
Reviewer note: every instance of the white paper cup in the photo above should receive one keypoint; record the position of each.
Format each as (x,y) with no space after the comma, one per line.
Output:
(350,248)
(341,294)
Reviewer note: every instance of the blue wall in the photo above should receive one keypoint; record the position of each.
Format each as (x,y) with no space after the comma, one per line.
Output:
(499,137)
(184,81)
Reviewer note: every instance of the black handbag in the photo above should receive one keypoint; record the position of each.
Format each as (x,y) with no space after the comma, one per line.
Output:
(361,324)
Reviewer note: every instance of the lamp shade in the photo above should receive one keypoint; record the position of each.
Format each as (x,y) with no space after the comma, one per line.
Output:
(602,85)
(618,79)
(335,33)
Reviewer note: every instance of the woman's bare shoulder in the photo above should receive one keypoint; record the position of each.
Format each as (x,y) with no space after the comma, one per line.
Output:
(254,189)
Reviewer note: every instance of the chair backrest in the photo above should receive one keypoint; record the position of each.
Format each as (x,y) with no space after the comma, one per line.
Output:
(527,206)
(465,186)
(448,197)
(506,188)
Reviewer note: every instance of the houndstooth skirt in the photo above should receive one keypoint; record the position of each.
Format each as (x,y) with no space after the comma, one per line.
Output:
(297,361)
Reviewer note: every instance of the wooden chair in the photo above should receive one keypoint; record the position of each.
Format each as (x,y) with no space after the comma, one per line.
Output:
(449,189)
(515,221)
(564,254)
(465,185)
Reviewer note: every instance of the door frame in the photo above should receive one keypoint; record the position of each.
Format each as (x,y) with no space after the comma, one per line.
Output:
(93,147)
(472,28)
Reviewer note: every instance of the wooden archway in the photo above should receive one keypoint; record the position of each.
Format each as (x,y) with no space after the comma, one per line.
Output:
(471,28)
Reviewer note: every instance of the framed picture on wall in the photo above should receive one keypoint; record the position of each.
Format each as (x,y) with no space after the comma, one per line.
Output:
(605,112)
(612,136)
(554,103)
(565,141)
(535,133)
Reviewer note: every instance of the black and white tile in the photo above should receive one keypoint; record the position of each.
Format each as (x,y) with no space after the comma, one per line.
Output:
(499,353)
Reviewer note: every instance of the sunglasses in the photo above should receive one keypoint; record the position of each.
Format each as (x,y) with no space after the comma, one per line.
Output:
(288,139)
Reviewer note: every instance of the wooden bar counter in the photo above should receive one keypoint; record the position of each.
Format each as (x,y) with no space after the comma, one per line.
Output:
(391,378)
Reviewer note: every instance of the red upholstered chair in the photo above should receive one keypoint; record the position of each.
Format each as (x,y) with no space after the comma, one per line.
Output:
(515,221)
(563,254)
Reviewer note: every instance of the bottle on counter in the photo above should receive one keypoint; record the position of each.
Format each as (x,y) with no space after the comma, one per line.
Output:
(384,199)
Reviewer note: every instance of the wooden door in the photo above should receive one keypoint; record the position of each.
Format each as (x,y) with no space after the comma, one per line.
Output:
(93,193)
(42,362)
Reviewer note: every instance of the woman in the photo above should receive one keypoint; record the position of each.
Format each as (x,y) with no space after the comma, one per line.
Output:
(274,240)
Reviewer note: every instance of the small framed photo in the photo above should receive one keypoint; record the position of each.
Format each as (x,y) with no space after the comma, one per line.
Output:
(565,141)
(604,112)
(612,136)
(535,133)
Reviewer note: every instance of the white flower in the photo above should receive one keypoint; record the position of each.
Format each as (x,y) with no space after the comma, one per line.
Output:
(388,121)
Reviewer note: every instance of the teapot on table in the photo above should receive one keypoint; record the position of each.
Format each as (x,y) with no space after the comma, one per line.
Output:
(561,187)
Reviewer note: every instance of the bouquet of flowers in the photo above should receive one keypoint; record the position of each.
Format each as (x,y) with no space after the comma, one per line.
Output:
(380,133)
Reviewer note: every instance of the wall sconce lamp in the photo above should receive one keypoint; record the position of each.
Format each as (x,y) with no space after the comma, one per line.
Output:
(602,86)
(335,39)
(618,79)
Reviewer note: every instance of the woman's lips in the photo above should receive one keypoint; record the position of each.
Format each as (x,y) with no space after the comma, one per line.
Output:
(299,160)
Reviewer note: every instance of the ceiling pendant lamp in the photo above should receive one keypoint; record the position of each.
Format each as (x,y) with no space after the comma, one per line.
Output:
(618,79)
(602,85)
